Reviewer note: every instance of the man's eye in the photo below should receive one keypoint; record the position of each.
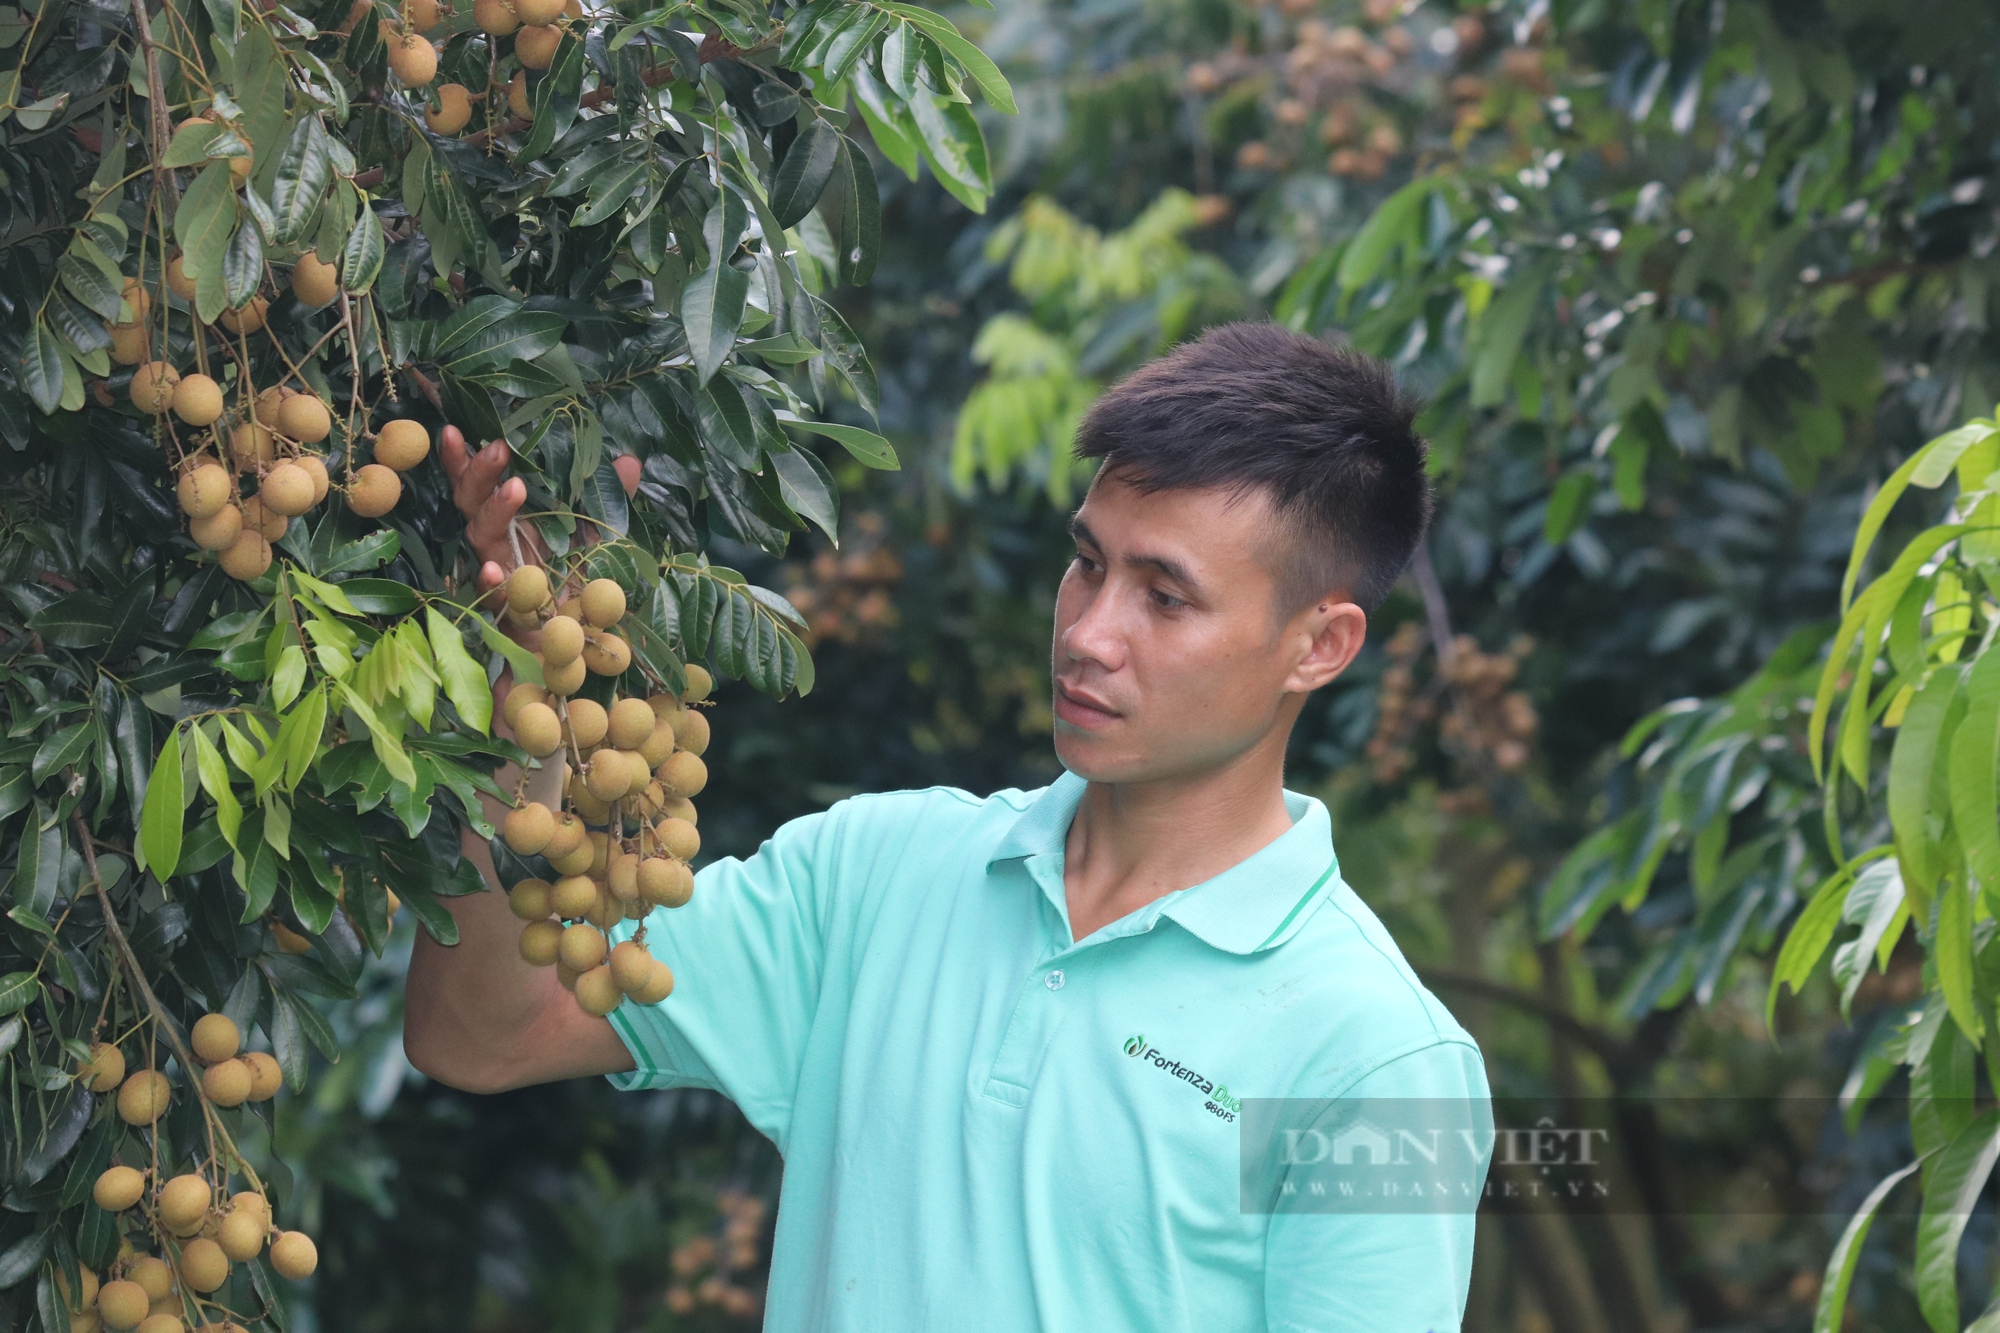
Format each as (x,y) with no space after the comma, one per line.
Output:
(1167,602)
(1085,563)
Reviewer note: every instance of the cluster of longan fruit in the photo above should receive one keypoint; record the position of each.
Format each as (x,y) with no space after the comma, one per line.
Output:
(201,1231)
(535,25)
(622,841)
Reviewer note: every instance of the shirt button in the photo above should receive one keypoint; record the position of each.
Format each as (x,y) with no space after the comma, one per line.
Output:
(1054,980)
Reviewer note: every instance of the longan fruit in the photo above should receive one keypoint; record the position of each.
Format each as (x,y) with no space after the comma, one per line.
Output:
(287,489)
(567,976)
(659,743)
(129,343)
(679,837)
(699,683)
(531,899)
(313,283)
(606,912)
(600,854)
(593,810)
(565,680)
(374,490)
(241,1234)
(118,1189)
(143,1097)
(517,96)
(621,876)
(683,774)
(539,941)
(637,909)
(520,697)
(197,400)
(267,406)
(691,731)
(583,947)
(414,60)
(247,557)
(659,985)
(203,490)
(575,861)
(166,1321)
(153,1275)
(454,110)
(535,47)
(294,1255)
(572,896)
(527,830)
(608,776)
(587,723)
(266,1075)
(137,300)
(252,443)
(215,1037)
(569,835)
(248,319)
(203,1265)
(527,588)
(562,641)
(631,965)
(178,282)
(496,17)
(607,655)
(305,418)
(227,1083)
(289,940)
(652,800)
(184,1202)
(402,444)
(153,386)
(665,882)
(421,14)
(265,521)
(251,1200)
(603,603)
(122,1304)
(538,730)
(219,530)
(315,468)
(86,1296)
(680,807)
(105,1069)
(664,706)
(597,992)
(533,13)
(631,723)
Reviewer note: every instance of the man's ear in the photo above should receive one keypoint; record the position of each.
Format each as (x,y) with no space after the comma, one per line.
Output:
(1330,632)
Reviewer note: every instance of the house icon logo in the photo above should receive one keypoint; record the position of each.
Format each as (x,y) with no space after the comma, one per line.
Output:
(1360,1144)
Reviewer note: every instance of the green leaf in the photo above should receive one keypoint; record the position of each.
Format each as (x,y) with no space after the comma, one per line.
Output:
(523,334)
(164,817)
(803,175)
(305,169)
(205,220)
(42,367)
(1500,332)
(60,751)
(610,190)
(868,447)
(361,258)
(464,679)
(17,991)
(1975,749)
(387,741)
(955,146)
(88,284)
(1912,766)
(983,71)
(189,146)
(1393,223)
(1952,1187)
(214,776)
(1828,1317)
(604,498)
(1927,467)
(39,866)
(243,266)
(809,489)
(712,311)
(526,666)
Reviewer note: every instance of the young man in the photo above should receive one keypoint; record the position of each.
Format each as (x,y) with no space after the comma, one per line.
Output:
(1005,1044)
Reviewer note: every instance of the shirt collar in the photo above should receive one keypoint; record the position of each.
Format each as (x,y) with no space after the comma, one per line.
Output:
(1256,904)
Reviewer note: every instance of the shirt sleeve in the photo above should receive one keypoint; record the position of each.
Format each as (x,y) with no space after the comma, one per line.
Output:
(748,956)
(1392,1251)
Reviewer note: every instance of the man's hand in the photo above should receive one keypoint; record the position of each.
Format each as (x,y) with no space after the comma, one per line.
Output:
(490,499)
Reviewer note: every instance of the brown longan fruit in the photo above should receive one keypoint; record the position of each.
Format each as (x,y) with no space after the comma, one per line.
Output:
(265,521)
(129,343)
(250,317)
(421,14)
(572,896)
(607,655)
(241,1234)
(632,723)
(305,418)
(496,17)
(691,731)
(294,1255)
(266,1076)
(587,723)
(247,557)
(105,1069)
(122,1304)
(608,777)
(603,603)
(659,743)
(527,589)
(402,444)
(454,110)
(597,992)
(527,830)
(215,1037)
(374,490)
(287,489)
(168,1321)
(583,947)
(138,301)
(665,882)
(699,683)
(570,835)
(637,909)
(659,985)
(562,641)
(203,490)
(118,1189)
(178,281)
(536,12)
(267,405)
(565,680)
(198,400)
(575,861)
(289,940)
(593,810)
(630,965)
(600,854)
(315,468)
(538,730)
(520,697)
(652,800)
(219,530)
(184,1202)
(252,443)
(153,386)
(679,837)
(517,96)
(531,899)
(251,1200)
(567,976)
(313,283)
(203,1265)
(86,1296)
(227,1083)
(683,774)
(539,942)
(414,60)
(153,1275)
(606,912)
(621,876)
(535,47)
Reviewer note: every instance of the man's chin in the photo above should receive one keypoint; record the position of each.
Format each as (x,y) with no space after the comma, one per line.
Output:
(1096,758)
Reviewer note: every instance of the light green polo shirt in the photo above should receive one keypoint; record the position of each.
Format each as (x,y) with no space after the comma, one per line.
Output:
(989,1126)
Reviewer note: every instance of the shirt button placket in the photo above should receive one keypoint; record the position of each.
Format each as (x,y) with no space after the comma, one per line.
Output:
(1054,980)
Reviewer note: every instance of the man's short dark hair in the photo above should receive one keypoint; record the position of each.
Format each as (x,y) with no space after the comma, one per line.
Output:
(1323,431)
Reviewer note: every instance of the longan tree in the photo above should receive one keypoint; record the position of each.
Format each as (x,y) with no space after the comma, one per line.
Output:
(256,259)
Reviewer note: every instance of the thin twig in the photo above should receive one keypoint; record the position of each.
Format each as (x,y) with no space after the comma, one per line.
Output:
(156,97)
(162,1020)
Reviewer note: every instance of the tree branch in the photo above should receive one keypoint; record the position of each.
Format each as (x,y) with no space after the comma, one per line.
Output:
(161,1018)
(156,100)
(1616,1052)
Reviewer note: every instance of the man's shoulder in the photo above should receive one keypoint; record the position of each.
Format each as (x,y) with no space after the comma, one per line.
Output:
(945,820)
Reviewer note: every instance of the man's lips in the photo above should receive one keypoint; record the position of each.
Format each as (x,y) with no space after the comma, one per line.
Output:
(1081,709)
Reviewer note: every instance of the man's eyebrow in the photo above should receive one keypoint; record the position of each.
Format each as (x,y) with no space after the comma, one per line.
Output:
(1173,569)
(1080,532)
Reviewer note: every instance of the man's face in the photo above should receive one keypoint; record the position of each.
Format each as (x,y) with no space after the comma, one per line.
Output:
(1171,658)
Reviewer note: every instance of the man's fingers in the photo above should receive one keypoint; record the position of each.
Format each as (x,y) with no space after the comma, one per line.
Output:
(451,453)
(491,576)
(488,528)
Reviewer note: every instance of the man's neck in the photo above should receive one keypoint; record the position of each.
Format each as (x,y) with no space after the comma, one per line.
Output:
(1131,843)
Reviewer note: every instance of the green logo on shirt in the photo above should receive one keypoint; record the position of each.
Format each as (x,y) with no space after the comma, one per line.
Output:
(1135,1045)
(1218,1101)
